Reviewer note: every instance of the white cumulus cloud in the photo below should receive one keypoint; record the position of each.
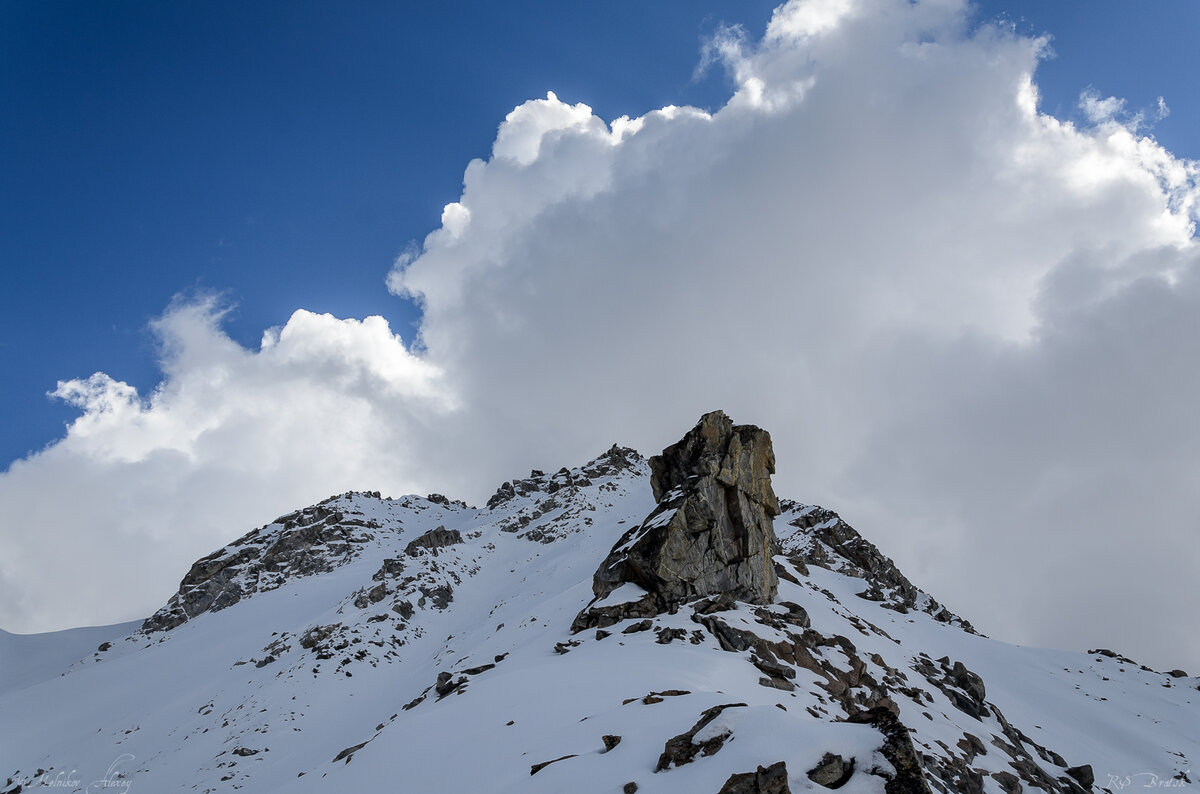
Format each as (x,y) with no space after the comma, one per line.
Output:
(953,311)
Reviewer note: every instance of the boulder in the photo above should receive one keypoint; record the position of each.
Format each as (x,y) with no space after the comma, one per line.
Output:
(1083,774)
(772,779)
(683,749)
(832,772)
(433,540)
(712,530)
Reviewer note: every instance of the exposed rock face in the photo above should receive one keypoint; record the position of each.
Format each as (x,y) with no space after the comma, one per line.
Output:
(812,535)
(712,530)
(304,543)
(906,775)
(433,540)
(616,460)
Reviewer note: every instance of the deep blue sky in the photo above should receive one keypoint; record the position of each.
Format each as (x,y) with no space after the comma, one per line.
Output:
(286,153)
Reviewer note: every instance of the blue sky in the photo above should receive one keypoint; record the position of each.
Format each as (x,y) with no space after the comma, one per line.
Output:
(287,158)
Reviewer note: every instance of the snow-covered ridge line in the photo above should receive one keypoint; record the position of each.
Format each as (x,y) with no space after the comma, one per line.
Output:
(350,644)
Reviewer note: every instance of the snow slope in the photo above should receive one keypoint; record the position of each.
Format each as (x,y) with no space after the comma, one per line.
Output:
(419,644)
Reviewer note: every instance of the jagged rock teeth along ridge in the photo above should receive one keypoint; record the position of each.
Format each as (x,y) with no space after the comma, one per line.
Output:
(711,533)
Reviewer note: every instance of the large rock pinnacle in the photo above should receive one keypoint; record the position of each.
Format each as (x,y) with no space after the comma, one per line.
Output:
(711,532)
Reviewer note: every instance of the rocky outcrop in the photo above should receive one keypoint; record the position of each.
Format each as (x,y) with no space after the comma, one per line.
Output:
(433,540)
(905,775)
(813,535)
(307,542)
(771,779)
(616,460)
(684,748)
(711,532)
(1083,775)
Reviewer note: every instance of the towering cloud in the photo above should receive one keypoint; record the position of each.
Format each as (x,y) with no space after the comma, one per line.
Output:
(969,326)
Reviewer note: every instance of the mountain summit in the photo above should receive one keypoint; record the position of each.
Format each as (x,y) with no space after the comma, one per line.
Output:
(623,626)
(710,534)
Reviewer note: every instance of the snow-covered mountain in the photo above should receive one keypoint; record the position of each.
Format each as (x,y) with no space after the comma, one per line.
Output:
(576,634)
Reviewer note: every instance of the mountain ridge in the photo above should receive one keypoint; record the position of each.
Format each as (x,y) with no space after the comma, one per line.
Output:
(310,652)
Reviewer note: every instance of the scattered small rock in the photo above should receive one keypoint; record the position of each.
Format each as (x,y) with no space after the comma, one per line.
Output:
(349,752)
(641,625)
(533,770)
(665,634)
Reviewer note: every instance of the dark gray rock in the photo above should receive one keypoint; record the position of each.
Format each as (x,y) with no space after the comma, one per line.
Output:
(711,532)
(446,683)
(832,772)
(313,637)
(1009,783)
(535,768)
(348,753)
(823,538)
(729,638)
(680,750)
(908,776)
(502,495)
(606,615)
(440,596)
(616,460)
(305,543)
(433,540)
(641,625)
(391,568)
(764,780)
(969,682)
(439,499)
(1083,774)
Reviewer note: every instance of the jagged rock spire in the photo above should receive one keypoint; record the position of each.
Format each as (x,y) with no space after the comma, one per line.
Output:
(711,532)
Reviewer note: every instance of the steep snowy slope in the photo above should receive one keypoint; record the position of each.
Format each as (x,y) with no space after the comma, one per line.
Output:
(418,644)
